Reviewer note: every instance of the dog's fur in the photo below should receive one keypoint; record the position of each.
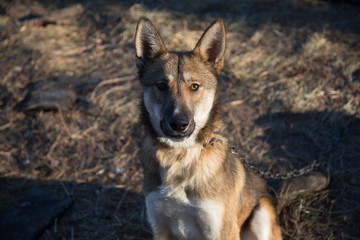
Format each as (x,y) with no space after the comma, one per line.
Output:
(194,187)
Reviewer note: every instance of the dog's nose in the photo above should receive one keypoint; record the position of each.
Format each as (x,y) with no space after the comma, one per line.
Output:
(179,123)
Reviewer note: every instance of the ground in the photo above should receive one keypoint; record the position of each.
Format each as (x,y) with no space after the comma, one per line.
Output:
(69,98)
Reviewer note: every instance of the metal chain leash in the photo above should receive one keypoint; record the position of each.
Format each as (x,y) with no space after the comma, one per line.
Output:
(308,168)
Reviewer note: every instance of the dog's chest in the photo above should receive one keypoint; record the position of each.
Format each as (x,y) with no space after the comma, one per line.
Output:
(176,215)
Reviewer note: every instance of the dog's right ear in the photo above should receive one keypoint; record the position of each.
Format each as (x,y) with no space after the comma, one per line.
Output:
(148,42)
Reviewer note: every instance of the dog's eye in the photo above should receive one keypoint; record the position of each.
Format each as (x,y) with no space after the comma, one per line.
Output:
(162,86)
(194,87)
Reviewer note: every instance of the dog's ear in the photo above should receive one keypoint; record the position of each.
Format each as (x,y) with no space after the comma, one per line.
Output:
(148,42)
(211,46)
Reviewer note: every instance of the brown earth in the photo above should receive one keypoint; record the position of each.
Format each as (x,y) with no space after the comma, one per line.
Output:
(69,99)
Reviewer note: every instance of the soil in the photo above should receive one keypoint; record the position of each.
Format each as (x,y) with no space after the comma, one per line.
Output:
(69,99)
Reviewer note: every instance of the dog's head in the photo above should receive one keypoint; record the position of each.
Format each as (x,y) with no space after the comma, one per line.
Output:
(179,87)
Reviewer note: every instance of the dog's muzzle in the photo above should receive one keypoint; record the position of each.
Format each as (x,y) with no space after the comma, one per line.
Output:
(177,126)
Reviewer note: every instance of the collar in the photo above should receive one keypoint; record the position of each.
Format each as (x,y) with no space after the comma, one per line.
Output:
(211,141)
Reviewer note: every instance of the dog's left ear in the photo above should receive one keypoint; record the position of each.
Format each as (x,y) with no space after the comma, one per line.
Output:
(211,46)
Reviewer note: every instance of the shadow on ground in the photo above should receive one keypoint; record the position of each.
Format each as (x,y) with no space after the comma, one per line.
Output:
(98,211)
(332,138)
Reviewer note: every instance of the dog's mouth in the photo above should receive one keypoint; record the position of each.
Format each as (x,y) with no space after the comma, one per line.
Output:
(177,132)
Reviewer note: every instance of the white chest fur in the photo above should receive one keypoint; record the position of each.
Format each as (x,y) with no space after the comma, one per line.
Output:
(174,215)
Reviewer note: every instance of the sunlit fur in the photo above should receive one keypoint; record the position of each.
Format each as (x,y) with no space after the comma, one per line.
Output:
(194,188)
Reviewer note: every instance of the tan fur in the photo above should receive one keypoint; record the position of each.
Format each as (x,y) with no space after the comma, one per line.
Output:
(194,188)
(253,231)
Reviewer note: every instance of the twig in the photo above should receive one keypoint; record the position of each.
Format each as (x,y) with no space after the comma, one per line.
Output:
(120,202)
(108,82)
(63,121)
(65,189)
(53,146)
(234,103)
(110,91)
(55,224)
(5,153)
(5,126)
(55,16)
(84,132)
(72,232)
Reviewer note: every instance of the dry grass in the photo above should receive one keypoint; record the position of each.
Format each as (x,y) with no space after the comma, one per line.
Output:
(288,87)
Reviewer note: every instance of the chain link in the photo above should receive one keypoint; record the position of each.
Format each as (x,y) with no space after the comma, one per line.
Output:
(308,168)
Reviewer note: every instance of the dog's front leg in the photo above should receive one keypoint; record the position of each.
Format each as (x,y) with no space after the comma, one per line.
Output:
(164,236)
(262,223)
(231,232)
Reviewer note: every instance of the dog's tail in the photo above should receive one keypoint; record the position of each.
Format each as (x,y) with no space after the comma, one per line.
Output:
(293,188)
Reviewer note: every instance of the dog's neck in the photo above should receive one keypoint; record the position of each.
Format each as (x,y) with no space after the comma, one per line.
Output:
(178,167)
(188,169)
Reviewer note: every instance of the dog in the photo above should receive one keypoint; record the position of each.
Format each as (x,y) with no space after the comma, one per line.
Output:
(194,187)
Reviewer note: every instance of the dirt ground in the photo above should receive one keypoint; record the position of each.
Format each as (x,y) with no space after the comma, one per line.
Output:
(69,96)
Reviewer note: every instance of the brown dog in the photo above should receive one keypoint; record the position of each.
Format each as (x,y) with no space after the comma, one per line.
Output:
(194,187)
